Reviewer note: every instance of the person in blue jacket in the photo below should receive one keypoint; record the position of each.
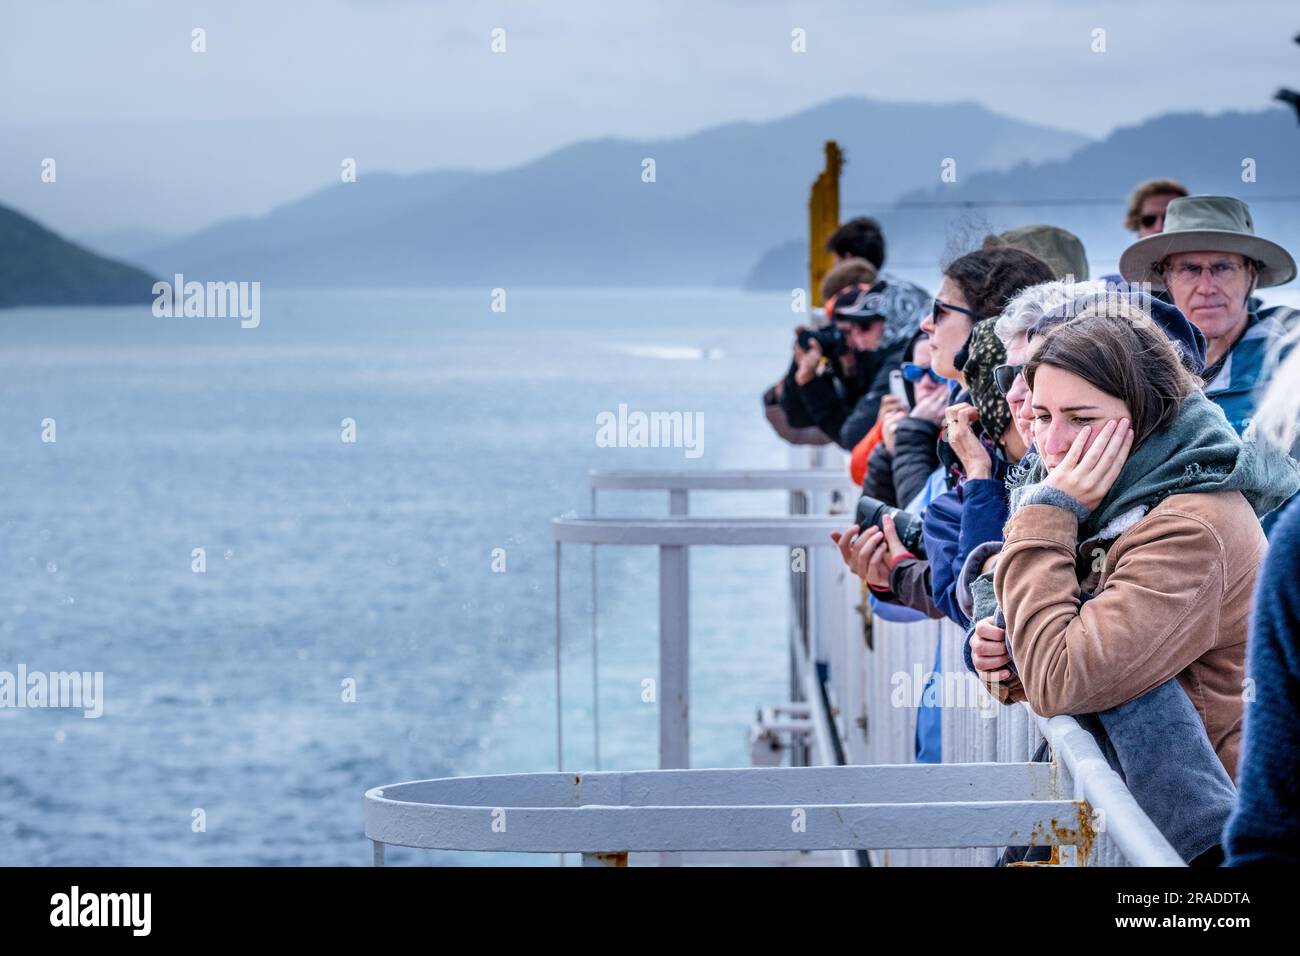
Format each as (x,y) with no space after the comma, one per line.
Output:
(963,347)
(1264,827)
(980,442)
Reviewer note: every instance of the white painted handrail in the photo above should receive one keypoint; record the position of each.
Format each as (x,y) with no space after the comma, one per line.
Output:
(822,490)
(673,536)
(987,793)
(685,532)
(723,480)
(1120,819)
(803,808)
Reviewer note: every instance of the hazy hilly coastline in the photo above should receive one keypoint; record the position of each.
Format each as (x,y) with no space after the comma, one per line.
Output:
(583,215)
(39,267)
(1084,192)
(712,214)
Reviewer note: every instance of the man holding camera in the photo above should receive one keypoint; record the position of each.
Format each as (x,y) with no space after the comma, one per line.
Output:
(840,373)
(834,393)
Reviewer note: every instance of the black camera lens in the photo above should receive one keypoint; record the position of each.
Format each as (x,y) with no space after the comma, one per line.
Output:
(831,340)
(871,514)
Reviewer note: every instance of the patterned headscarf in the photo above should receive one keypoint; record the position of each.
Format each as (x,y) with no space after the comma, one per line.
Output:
(985,352)
(901,304)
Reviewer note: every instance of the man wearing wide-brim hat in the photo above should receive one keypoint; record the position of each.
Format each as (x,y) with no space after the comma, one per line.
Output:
(1211,261)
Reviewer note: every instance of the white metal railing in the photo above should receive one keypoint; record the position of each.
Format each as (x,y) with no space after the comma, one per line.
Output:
(988,793)
(813,490)
(748,479)
(977,729)
(752,809)
(673,536)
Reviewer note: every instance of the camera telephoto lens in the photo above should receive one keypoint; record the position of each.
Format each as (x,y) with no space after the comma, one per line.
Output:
(831,340)
(871,513)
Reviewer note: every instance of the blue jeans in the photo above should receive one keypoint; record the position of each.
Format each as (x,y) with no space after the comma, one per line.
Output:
(929,717)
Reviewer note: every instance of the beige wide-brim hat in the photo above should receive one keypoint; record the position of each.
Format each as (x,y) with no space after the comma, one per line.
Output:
(1207,224)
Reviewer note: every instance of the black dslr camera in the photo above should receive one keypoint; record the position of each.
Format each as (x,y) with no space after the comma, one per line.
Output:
(830,338)
(871,514)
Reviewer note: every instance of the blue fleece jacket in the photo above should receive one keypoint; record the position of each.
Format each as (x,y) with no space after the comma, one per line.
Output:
(1265,826)
(955,523)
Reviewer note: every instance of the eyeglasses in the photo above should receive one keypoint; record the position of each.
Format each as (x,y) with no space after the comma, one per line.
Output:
(941,307)
(914,373)
(1189,273)
(1004,376)
(1151,218)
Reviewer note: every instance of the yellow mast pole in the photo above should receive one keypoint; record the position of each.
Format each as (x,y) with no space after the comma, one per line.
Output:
(823,219)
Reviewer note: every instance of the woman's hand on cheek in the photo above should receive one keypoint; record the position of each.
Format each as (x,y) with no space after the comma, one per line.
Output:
(1087,475)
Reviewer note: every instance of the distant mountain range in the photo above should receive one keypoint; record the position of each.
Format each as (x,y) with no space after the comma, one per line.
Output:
(714,215)
(324,220)
(38,267)
(1085,192)
(583,215)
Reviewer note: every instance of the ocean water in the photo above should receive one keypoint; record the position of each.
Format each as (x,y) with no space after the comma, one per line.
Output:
(369,562)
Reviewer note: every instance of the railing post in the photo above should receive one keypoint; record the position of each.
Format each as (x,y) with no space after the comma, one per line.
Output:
(674,658)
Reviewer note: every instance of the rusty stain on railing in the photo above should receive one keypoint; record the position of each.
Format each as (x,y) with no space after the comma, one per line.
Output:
(1083,837)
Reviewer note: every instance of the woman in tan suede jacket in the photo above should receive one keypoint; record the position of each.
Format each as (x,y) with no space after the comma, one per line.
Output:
(1134,559)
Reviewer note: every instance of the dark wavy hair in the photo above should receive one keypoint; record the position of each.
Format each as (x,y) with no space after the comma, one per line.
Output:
(990,278)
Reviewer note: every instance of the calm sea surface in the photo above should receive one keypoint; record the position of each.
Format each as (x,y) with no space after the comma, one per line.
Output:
(369,562)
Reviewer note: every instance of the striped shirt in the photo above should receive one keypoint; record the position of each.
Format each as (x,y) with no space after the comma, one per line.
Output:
(1246,369)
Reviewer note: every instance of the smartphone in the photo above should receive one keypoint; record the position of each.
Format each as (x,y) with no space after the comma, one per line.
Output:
(897,389)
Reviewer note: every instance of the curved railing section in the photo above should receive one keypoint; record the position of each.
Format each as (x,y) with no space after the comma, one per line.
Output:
(856,676)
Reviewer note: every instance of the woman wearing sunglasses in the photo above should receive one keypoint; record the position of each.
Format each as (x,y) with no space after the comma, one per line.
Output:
(975,286)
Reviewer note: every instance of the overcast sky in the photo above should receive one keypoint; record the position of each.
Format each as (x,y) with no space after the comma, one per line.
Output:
(418,81)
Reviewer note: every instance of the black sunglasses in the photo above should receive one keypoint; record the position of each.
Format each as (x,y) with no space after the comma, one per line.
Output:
(1004,376)
(1150,219)
(941,307)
